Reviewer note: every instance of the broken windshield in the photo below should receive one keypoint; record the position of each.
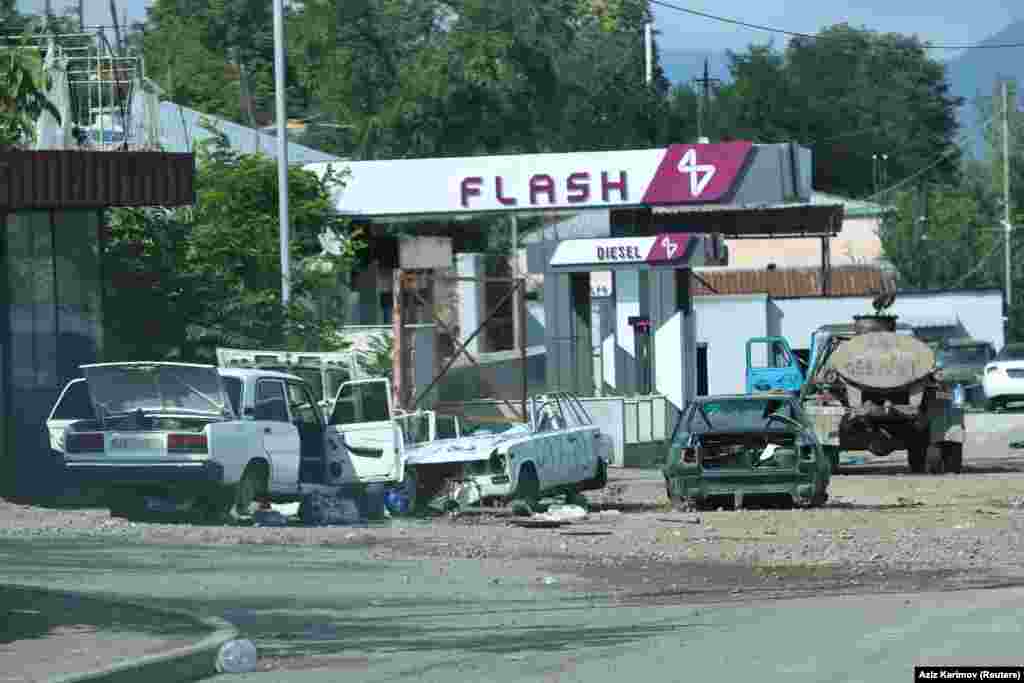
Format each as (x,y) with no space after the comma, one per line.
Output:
(737,415)
(118,389)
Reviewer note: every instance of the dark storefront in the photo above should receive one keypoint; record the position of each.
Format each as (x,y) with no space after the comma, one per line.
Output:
(52,207)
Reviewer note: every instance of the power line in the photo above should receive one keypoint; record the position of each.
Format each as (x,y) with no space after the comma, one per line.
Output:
(992,252)
(951,149)
(813,36)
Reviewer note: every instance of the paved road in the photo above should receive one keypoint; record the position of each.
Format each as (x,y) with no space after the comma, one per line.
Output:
(349,616)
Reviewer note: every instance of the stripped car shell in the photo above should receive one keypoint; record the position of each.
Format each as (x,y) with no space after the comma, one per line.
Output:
(559,451)
(746,446)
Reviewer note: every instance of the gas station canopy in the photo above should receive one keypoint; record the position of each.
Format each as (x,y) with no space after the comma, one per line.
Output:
(731,188)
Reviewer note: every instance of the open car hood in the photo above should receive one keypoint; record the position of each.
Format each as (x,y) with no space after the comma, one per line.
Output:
(182,388)
(462,449)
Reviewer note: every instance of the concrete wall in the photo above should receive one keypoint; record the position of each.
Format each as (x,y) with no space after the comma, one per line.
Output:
(980,313)
(725,323)
(856,243)
(54,323)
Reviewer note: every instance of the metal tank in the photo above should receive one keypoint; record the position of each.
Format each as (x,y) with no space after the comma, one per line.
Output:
(873,388)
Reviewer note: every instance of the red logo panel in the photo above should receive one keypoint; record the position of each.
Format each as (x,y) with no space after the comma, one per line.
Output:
(671,246)
(697,173)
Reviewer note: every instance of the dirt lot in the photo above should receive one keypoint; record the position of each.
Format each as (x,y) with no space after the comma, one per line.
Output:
(881,530)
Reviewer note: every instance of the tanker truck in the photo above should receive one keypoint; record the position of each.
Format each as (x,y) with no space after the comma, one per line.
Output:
(876,388)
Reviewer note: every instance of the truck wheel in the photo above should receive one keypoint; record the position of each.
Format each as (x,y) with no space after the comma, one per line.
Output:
(934,462)
(916,459)
(953,457)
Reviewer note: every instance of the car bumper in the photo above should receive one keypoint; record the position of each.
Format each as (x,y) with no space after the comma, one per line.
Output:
(111,474)
(1003,386)
(692,482)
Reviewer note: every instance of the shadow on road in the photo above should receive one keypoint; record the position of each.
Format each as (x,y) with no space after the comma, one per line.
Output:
(35,613)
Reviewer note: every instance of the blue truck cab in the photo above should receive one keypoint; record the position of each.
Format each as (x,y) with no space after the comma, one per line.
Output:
(772,366)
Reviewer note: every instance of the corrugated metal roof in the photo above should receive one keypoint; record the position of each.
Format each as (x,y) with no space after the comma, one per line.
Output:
(180,130)
(792,282)
(83,179)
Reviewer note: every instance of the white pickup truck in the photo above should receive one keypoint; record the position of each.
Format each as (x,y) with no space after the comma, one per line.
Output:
(219,440)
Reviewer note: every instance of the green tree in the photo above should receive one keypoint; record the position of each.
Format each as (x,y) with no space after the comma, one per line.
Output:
(940,237)
(22,96)
(849,93)
(212,272)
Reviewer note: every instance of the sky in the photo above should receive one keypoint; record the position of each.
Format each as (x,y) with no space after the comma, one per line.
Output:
(957,23)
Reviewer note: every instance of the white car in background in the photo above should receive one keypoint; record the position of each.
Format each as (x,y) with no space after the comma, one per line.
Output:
(1003,380)
(559,451)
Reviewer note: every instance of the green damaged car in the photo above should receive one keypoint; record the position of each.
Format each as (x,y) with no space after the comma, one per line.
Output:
(727,449)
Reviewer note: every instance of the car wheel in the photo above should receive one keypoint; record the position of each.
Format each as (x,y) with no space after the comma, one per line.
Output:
(916,459)
(994,404)
(528,488)
(248,491)
(953,457)
(934,462)
(126,505)
(832,454)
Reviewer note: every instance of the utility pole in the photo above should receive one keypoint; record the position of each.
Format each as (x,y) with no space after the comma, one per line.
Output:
(1006,202)
(648,53)
(282,149)
(705,83)
(81,16)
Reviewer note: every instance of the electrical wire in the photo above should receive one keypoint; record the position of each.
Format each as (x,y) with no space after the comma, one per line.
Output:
(951,149)
(812,36)
(992,252)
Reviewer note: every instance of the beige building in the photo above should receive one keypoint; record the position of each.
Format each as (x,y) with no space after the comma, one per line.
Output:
(857,243)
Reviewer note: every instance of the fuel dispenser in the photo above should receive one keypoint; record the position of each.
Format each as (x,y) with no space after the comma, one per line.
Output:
(641,325)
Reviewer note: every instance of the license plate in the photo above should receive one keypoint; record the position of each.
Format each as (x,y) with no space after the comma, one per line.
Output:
(121,443)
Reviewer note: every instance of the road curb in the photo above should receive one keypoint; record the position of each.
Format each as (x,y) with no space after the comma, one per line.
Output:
(189,663)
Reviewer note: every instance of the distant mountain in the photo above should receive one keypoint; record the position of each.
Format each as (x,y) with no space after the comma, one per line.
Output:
(974,73)
(681,66)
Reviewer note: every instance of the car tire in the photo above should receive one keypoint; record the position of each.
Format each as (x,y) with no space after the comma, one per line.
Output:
(126,505)
(916,456)
(250,488)
(600,478)
(953,457)
(528,487)
(833,453)
(934,461)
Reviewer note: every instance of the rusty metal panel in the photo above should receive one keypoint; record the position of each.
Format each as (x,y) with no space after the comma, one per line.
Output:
(791,283)
(50,179)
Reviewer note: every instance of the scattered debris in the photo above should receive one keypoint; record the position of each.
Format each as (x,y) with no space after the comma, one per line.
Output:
(269,518)
(908,502)
(1016,502)
(687,519)
(321,510)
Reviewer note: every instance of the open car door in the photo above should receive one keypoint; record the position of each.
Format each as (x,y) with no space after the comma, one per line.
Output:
(772,366)
(361,420)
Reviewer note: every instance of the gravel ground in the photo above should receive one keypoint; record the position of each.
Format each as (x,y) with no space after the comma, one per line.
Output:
(881,530)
